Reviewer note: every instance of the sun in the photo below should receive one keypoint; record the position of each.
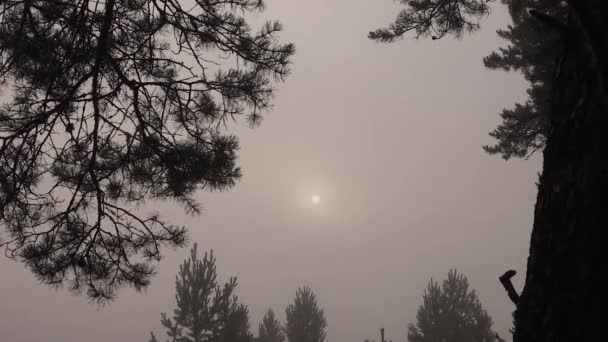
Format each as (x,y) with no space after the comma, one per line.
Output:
(315,199)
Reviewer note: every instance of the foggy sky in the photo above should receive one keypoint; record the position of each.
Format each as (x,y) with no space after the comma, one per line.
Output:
(390,137)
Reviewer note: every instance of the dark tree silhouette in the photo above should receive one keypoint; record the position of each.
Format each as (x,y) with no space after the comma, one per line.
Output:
(270,330)
(305,319)
(434,18)
(564,296)
(451,312)
(113,103)
(533,47)
(206,311)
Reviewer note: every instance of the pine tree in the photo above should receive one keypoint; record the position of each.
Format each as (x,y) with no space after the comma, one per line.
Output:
(114,103)
(451,313)
(305,320)
(270,330)
(206,311)
(563,296)
(237,328)
(434,18)
(533,48)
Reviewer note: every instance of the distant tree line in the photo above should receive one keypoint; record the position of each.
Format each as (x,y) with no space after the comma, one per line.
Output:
(208,311)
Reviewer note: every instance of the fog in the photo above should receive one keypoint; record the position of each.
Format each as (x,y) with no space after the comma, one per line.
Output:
(389,137)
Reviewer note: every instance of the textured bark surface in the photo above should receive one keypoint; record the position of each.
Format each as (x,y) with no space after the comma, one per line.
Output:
(565,293)
(593,16)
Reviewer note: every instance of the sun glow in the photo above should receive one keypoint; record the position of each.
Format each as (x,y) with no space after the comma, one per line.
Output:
(316,199)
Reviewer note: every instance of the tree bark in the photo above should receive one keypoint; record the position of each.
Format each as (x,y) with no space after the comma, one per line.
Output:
(566,292)
(593,18)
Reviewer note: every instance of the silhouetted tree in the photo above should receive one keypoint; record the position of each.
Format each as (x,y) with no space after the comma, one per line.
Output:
(237,328)
(533,47)
(305,320)
(532,50)
(113,103)
(438,18)
(451,313)
(270,330)
(206,311)
(434,18)
(564,295)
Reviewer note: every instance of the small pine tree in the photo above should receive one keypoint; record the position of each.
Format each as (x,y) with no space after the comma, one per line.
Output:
(205,310)
(305,320)
(237,328)
(451,313)
(270,330)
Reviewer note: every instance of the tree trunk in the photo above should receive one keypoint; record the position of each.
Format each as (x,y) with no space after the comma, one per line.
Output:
(566,292)
(593,16)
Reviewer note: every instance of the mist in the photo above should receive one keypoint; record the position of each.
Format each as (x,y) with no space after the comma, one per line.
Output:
(389,137)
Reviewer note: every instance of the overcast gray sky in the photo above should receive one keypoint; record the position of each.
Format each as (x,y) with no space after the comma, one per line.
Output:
(390,137)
